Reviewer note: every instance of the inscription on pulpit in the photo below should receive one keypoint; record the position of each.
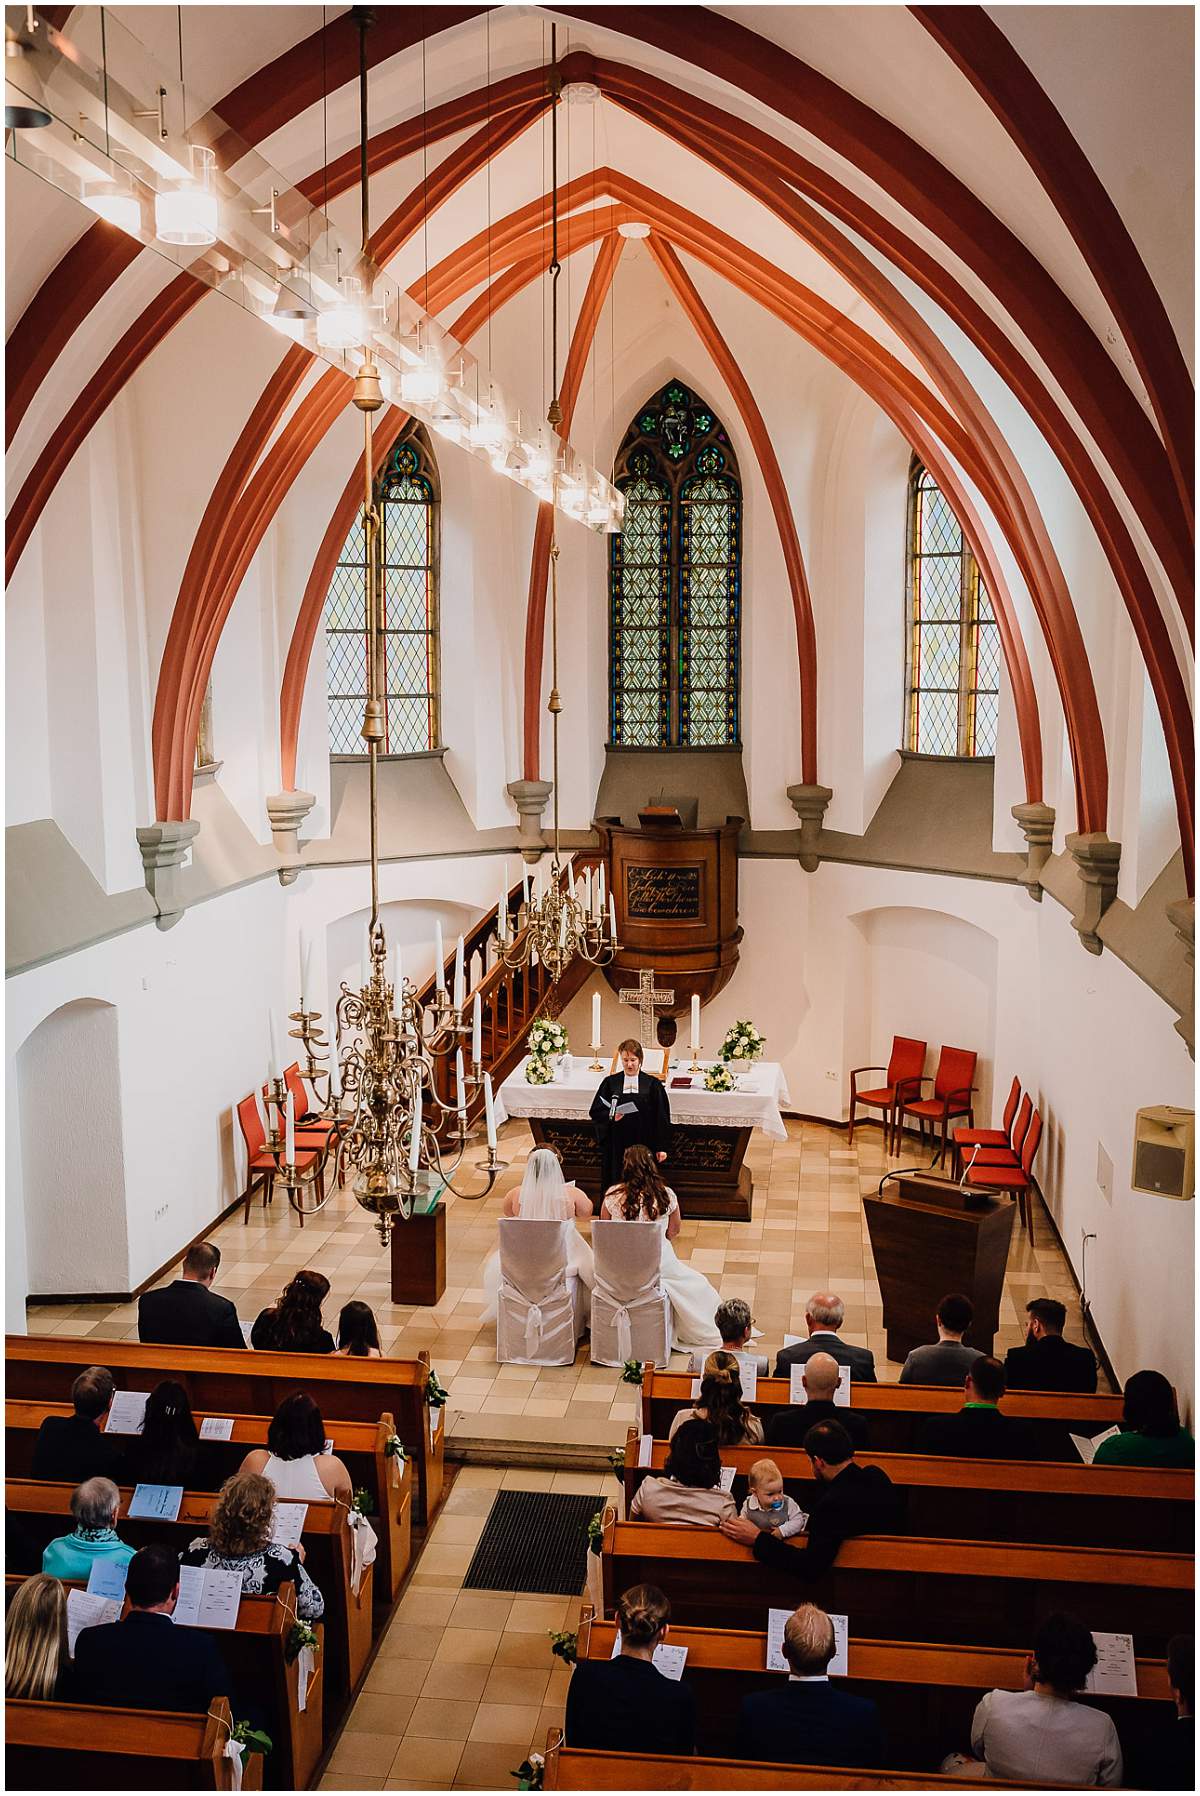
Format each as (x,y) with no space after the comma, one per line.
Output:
(658,891)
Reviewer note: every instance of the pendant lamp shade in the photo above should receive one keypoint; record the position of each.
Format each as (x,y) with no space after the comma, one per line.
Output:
(25,106)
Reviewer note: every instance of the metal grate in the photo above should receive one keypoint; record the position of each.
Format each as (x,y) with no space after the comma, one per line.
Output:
(533,1541)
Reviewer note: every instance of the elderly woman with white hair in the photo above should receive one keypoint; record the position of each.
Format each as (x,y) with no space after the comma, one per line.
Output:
(94,1507)
(544,1196)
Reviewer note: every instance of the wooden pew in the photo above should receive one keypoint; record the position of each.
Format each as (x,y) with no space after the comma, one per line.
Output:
(45,1509)
(897,1587)
(222,1381)
(926,1695)
(63,1746)
(984,1499)
(363,1448)
(895,1412)
(256,1655)
(573,1768)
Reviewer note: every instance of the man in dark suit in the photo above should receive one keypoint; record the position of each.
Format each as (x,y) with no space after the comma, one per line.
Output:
(849,1499)
(979,1430)
(72,1449)
(823,1317)
(788,1427)
(145,1661)
(808,1721)
(188,1313)
(1046,1362)
(630,1109)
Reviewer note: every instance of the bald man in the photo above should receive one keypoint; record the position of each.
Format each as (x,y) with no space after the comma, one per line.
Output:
(788,1427)
(824,1316)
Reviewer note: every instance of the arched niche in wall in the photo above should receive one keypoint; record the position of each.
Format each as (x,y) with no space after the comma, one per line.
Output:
(409,923)
(73,1153)
(922,973)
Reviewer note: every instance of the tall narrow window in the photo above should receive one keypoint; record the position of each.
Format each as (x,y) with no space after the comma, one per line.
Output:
(953,648)
(675,580)
(407,495)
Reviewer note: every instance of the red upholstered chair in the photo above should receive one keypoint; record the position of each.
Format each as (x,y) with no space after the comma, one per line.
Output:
(1016,1177)
(261,1164)
(966,1139)
(904,1069)
(312,1129)
(973,1150)
(952,1089)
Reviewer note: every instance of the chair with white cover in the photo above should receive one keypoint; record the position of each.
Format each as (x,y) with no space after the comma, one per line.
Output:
(541,1309)
(631,1312)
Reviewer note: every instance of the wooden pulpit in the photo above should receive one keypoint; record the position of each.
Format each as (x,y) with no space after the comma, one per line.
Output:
(929,1237)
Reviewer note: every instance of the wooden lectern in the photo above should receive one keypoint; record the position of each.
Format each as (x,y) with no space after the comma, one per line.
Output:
(929,1237)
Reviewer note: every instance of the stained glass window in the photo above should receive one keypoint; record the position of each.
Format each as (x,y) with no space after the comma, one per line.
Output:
(406,493)
(675,580)
(953,650)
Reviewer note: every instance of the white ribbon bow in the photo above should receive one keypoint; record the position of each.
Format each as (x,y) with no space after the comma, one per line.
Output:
(233,1752)
(533,1329)
(624,1334)
(364,1544)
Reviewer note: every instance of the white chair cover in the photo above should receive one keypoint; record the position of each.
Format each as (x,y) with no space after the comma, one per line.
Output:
(540,1313)
(631,1312)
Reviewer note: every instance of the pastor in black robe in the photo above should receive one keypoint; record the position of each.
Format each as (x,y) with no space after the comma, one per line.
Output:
(629,1119)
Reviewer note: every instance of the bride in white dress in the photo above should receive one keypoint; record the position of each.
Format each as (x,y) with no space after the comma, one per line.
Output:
(643,1197)
(544,1196)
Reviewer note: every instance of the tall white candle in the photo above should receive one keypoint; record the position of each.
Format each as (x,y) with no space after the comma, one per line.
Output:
(414,1151)
(595,1022)
(460,1083)
(335,1075)
(489,1109)
(289,1121)
(502,919)
(477,1031)
(695,1023)
(460,986)
(612,916)
(562,928)
(439,956)
(600,886)
(525,887)
(273,1040)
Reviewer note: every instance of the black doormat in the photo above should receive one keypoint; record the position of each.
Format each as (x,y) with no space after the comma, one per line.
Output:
(534,1541)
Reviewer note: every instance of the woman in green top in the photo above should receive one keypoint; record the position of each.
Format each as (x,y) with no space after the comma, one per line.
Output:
(1150,1431)
(94,1507)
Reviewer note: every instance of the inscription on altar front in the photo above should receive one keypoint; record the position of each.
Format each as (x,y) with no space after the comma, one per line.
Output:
(653,891)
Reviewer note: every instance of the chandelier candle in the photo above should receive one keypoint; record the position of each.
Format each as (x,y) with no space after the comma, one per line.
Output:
(439,956)
(460,985)
(476,1035)
(489,1111)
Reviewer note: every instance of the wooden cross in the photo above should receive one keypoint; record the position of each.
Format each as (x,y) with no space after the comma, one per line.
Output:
(646,1000)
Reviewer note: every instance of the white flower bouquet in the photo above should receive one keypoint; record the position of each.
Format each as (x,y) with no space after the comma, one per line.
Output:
(547,1041)
(742,1042)
(718,1078)
(538,1070)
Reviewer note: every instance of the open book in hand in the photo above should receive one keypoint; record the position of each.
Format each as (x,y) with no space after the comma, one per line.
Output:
(777,1620)
(86,1609)
(1086,1448)
(208,1597)
(670,1660)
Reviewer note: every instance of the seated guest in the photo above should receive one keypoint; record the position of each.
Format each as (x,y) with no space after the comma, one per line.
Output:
(1174,1766)
(1046,1362)
(626,1704)
(145,1661)
(166,1450)
(544,1196)
(946,1360)
(768,1506)
(36,1661)
(69,1449)
(1040,1735)
(295,1459)
(807,1721)
(358,1333)
(735,1325)
(239,1539)
(849,1499)
(720,1404)
(189,1313)
(94,1508)
(788,1427)
(292,1324)
(823,1317)
(1151,1433)
(979,1431)
(690,1487)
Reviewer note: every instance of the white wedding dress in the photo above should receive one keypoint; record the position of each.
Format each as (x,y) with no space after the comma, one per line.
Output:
(693,1300)
(545,1197)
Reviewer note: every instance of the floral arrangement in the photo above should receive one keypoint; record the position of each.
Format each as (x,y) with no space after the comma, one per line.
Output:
(742,1042)
(616,1460)
(436,1391)
(531,1774)
(595,1533)
(251,1738)
(547,1040)
(300,1637)
(718,1078)
(362,1502)
(631,1372)
(564,1646)
(393,1448)
(538,1070)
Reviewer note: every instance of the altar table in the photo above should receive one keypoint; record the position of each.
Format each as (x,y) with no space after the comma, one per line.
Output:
(710,1129)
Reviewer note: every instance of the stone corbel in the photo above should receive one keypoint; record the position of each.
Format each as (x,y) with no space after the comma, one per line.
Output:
(287,811)
(1183,917)
(1097,861)
(1036,822)
(531,798)
(164,849)
(810,804)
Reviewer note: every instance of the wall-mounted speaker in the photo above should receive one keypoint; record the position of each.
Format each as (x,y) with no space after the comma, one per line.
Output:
(1164,1140)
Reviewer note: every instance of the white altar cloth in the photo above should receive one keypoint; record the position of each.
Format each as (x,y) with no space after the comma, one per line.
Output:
(755,1104)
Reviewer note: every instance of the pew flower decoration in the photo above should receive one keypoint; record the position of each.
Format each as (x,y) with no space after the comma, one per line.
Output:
(718,1078)
(742,1042)
(362,1504)
(252,1739)
(393,1448)
(301,1636)
(436,1391)
(595,1533)
(538,1070)
(616,1460)
(564,1645)
(531,1774)
(547,1040)
(631,1372)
